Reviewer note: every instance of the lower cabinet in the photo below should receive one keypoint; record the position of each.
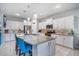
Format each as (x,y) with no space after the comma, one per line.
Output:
(52,48)
(68,41)
(46,49)
(65,41)
(59,40)
(43,49)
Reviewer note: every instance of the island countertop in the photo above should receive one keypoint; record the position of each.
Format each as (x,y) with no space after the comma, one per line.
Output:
(35,39)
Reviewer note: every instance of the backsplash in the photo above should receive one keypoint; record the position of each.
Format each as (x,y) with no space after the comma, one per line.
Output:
(64,31)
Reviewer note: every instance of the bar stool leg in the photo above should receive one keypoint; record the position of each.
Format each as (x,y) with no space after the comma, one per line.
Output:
(16,48)
(24,54)
(30,52)
(19,52)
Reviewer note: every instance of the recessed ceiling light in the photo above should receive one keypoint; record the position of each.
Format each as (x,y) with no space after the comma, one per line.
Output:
(25,21)
(35,15)
(28,19)
(58,6)
(17,14)
(24,11)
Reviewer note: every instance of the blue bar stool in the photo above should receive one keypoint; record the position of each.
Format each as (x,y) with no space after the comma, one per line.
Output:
(16,47)
(23,47)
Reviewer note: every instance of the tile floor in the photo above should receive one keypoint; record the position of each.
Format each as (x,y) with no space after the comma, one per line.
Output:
(8,49)
(64,51)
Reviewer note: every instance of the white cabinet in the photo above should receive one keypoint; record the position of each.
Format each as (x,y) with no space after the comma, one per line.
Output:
(14,25)
(52,48)
(68,41)
(64,23)
(42,25)
(58,23)
(59,40)
(69,23)
(65,41)
(43,49)
(46,49)
(1,28)
(61,23)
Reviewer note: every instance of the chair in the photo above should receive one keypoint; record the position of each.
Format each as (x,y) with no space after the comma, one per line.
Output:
(23,47)
(16,47)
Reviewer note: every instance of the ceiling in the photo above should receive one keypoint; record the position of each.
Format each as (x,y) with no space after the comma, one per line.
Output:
(29,9)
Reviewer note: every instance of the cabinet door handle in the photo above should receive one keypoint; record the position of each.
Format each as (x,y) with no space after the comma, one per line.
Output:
(49,43)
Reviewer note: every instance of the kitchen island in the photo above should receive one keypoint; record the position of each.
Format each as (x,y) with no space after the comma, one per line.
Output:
(41,45)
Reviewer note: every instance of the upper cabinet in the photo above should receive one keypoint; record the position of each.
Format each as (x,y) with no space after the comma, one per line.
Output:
(64,23)
(69,22)
(42,25)
(58,23)
(14,25)
(1,23)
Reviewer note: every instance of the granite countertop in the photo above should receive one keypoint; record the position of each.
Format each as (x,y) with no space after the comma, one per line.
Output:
(64,34)
(35,39)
